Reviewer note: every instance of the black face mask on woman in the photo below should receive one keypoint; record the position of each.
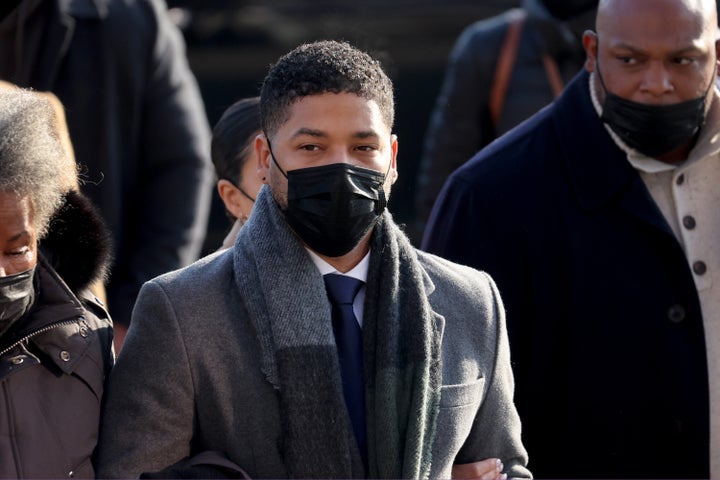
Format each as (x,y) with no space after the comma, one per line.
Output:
(332,207)
(16,297)
(653,129)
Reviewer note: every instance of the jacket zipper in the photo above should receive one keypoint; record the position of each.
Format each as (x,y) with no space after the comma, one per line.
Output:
(37,332)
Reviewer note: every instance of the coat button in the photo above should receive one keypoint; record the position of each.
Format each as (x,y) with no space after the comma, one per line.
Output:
(699,268)
(676,313)
(65,356)
(17,360)
(680,179)
(688,222)
(83,331)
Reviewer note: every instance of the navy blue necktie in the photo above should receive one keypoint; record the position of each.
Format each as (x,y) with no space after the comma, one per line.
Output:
(341,291)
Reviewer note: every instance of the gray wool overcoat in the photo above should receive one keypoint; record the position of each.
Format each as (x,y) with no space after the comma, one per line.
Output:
(190,377)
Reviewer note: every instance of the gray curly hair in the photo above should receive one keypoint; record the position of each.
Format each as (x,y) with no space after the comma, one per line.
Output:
(32,158)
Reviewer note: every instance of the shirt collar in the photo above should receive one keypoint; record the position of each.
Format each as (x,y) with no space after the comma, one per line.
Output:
(360,271)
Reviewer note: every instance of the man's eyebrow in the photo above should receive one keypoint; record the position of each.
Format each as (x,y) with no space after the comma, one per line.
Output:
(686,50)
(627,46)
(633,49)
(309,132)
(366,134)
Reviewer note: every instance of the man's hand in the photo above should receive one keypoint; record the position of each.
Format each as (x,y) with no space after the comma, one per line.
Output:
(489,469)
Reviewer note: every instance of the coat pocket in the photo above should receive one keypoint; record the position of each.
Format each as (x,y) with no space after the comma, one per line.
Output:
(458,406)
(461,395)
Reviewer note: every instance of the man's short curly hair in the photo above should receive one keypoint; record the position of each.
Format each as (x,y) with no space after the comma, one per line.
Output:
(32,158)
(323,67)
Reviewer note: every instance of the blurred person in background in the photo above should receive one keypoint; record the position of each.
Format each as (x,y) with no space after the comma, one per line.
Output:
(137,123)
(55,337)
(501,71)
(233,155)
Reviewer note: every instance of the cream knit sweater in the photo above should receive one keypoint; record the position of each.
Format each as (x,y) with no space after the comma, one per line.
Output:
(688,195)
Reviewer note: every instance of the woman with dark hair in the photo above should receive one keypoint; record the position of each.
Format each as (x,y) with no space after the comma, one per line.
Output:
(55,335)
(233,155)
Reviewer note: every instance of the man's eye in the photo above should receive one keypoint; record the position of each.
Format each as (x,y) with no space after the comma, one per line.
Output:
(309,148)
(628,60)
(683,61)
(367,148)
(19,251)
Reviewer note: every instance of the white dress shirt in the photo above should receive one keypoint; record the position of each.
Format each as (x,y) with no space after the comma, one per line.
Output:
(360,272)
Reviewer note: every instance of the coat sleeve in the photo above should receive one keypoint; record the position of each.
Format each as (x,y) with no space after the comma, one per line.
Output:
(496,431)
(174,175)
(148,414)
(460,123)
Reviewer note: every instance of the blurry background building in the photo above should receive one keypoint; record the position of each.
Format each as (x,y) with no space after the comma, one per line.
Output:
(231,43)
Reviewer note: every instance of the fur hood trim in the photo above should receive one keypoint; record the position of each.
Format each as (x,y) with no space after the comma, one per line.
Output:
(78,244)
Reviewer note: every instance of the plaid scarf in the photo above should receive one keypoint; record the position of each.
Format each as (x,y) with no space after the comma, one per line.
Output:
(285,296)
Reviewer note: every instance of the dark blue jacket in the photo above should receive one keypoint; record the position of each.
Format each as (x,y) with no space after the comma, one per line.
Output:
(604,319)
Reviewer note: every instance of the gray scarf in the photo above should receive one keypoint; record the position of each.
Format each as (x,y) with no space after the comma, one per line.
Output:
(285,296)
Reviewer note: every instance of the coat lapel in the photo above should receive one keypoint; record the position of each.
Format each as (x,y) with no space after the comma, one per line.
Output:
(599,172)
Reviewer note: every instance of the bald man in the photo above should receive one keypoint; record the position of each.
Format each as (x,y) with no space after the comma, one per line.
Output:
(598,218)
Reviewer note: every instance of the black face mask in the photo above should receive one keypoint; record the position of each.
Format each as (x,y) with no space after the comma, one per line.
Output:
(653,129)
(16,297)
(332,207)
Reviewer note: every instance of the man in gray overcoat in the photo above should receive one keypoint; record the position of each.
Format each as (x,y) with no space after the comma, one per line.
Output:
(253,358)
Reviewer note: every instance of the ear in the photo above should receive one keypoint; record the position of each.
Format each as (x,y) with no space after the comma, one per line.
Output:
(262,156)
(230,196)
(590,43)
(393,160)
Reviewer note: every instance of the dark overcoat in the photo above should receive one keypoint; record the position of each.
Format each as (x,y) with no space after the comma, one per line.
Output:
(603,314)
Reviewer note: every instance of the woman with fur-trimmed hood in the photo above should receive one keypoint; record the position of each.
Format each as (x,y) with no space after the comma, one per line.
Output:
(55,335)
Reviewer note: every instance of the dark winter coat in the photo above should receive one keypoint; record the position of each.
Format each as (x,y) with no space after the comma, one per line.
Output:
(54,361)
(604,319)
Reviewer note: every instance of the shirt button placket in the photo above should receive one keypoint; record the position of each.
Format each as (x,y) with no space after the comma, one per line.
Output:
(689,222)
(699,267)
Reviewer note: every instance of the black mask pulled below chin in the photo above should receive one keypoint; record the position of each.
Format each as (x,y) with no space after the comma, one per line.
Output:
(16,297)
(332,207)
(653,130)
